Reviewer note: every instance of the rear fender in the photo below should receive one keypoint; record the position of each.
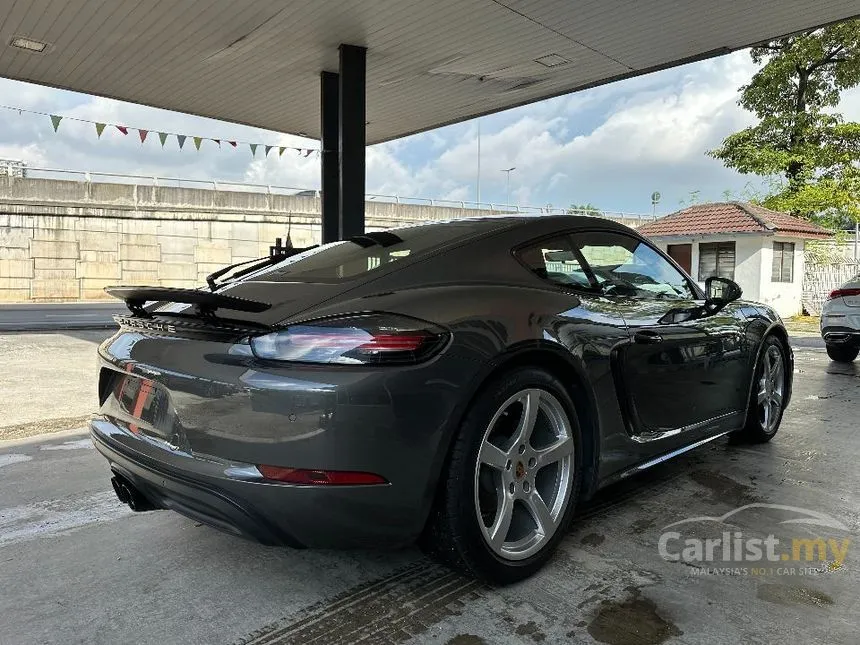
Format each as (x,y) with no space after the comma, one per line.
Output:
(563,365)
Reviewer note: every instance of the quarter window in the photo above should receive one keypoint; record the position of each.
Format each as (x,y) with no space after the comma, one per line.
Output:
(783,262)
(555,260)
(717,259)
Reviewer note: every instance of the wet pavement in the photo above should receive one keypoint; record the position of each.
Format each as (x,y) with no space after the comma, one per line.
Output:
(77,567)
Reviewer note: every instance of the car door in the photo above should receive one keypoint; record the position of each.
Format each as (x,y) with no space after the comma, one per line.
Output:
(673,375)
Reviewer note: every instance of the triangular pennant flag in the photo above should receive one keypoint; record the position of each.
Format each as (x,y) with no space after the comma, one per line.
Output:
(267,149)
(55,121)
(142,134)
(100,127)
(308,152)
(122,129)
(253,147)
(162,136)
(181,139)
(197,141)
(232,143)
(281,150)
(218,141)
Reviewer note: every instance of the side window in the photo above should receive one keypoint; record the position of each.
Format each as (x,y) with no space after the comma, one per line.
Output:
(625,266)
(554,260)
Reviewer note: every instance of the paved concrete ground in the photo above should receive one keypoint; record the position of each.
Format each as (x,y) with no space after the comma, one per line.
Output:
(47,381)
(77,567)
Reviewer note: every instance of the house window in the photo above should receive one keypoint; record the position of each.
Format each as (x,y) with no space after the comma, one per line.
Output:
(783,262)
(717,259)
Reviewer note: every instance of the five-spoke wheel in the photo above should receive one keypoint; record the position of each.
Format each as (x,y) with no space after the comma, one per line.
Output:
(512,478)
(771,388)
(770,391)
(523,473)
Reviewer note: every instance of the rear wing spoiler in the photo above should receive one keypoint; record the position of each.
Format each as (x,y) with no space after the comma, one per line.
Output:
(205,302)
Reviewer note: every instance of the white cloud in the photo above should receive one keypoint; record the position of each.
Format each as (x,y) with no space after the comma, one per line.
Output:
(612,145)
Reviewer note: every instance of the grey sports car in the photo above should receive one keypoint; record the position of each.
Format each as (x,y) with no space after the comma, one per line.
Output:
(464,384)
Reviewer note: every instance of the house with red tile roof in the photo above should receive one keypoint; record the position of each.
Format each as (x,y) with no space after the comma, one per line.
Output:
(760,249)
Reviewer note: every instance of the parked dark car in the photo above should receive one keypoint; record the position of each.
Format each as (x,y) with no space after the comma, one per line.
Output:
(464,384)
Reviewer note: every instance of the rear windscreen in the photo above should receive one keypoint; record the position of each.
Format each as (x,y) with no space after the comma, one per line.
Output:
(348,260)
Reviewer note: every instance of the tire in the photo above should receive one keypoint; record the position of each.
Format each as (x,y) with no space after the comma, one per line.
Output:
(494,473)
(761,426)
(842,353)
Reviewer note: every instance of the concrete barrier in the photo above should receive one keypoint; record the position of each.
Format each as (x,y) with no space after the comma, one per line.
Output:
(67,240)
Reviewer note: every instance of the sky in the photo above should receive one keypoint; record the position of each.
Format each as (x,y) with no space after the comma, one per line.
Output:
(610,146)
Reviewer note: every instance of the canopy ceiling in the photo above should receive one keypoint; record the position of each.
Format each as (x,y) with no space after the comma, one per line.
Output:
(429,62)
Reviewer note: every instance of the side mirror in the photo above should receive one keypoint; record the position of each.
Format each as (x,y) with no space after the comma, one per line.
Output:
(721,291)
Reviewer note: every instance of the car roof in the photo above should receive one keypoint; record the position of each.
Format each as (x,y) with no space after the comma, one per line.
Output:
(541,224)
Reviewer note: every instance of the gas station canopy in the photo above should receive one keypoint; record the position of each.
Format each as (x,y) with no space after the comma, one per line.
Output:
(429,62)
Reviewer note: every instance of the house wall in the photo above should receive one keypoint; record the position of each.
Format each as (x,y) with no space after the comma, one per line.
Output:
(753,265)
(748,259)
(785,297)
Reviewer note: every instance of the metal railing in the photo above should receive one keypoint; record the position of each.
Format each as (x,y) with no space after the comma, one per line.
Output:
(34,172)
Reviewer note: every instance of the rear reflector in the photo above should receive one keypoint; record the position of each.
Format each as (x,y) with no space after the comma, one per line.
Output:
(843,293)
(305,477)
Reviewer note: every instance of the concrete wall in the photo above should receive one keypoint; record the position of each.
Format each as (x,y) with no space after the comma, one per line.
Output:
(67,240)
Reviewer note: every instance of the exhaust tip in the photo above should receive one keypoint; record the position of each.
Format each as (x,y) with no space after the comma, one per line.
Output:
(128,494)
(120,489)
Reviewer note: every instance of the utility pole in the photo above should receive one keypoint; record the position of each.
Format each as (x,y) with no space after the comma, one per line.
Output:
(856,242)
(478,188)
(508,172)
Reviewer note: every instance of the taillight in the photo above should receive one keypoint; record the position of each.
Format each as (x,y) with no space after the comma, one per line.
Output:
(353,340)
(843,293)
(305,477)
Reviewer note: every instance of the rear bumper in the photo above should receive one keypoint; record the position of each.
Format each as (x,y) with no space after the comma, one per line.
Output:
(840,335)
(229,497)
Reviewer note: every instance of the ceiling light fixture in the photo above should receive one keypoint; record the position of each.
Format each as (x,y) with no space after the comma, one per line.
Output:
(28,44)
(551,60)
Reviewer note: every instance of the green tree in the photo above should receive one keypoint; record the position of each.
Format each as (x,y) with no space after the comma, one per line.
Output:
(800,138)
(584,209)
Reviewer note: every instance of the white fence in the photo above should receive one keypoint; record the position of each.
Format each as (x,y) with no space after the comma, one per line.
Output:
(820,279)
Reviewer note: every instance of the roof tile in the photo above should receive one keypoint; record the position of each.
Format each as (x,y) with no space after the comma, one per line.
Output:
(731,217)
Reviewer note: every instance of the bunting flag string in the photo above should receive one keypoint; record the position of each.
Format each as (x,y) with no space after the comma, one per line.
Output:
(163,136)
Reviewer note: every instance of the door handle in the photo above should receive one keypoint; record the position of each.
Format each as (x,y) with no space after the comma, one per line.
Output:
(647,337)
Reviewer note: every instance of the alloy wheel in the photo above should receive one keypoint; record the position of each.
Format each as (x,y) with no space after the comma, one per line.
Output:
(524,474)
(771,389)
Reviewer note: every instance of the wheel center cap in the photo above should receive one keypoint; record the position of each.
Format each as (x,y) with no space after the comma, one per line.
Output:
(521,470)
